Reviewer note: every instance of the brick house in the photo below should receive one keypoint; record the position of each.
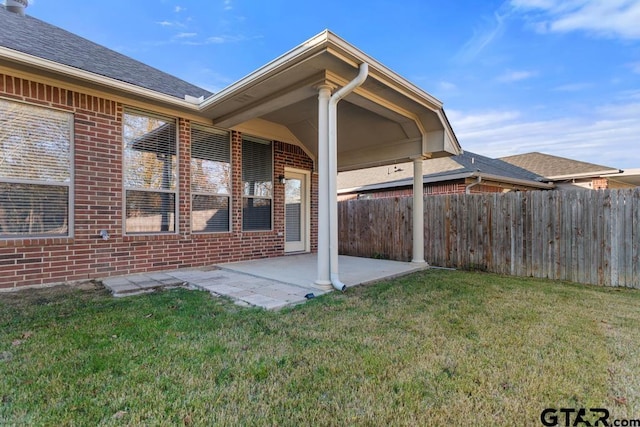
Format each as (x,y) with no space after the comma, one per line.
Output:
(464,173)
(109,166)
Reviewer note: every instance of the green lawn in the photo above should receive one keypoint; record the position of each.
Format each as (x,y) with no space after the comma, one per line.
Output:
(434,348)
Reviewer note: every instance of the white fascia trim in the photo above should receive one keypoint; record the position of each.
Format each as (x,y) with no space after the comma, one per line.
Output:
(516,181)
(401,84)
(462,175)
(319,43)
(377,68)
(405,182)
(594,174)
(67,70)
(302,51)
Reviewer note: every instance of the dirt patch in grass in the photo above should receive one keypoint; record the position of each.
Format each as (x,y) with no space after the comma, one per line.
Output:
(433,348)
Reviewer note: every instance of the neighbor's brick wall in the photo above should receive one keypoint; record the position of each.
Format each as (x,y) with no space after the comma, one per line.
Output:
(429,190)
(599,183)
(457,187)
(98,204)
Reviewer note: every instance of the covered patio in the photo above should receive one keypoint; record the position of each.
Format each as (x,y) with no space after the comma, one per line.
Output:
(346,111)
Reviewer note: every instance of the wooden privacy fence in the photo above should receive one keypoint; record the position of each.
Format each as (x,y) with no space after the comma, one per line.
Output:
(581,236)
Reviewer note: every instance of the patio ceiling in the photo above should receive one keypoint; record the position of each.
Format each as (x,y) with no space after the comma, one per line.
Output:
(386,120)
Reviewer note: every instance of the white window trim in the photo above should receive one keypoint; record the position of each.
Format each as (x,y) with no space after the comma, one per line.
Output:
(70,185)
(273,184)
(229,196)
(176,204)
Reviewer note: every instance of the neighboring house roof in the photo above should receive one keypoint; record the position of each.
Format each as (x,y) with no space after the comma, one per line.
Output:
(40,39)
(462,166)
(556,168)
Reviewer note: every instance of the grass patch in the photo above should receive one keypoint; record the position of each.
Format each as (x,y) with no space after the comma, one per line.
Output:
(433,348)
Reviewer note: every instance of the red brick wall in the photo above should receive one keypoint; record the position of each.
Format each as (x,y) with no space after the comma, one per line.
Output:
(98,204)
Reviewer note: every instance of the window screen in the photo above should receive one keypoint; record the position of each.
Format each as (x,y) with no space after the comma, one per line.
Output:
(257,183)
(35,171)
(210,179)
(150,173)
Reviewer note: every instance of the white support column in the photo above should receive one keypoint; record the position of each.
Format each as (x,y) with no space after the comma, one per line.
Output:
(418,213)
(324,269)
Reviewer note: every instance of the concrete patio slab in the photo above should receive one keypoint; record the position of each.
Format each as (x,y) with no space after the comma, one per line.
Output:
(301,270)
(271,283)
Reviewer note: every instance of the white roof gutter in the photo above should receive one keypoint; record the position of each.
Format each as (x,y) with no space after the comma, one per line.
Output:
(594,174)
(462,175)
(98,79)
(294,55)
(318,43)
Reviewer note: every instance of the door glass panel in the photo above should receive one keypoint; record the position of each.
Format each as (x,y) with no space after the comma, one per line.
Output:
(293,210)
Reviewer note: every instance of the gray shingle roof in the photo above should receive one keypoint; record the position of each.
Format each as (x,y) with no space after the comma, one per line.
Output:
(550,166)
(435,170)
(473,162)
(35,37)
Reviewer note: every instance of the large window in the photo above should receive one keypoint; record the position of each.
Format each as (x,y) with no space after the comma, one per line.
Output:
(210,179)
(150,173)
(257,182)
(35,171)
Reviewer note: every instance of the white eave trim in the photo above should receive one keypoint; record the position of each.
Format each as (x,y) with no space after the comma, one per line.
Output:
(325,41)
(377,68)
(292,56)
(594,174)
(108,82)
(462,175)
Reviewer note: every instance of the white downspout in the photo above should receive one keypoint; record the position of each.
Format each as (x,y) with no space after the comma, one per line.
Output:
(468,188)
(333,170)
(324,271)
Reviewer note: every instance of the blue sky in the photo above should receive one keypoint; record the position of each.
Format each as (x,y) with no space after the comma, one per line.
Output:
(515,76)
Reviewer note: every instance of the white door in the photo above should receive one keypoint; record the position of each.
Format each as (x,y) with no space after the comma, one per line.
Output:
(296,213)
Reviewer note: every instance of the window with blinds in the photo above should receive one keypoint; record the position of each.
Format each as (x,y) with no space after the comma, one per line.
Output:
(257,183)
(210,179)
(150,173)
(36,172)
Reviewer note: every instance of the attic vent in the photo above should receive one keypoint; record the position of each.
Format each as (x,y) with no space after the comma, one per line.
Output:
(16,6)
(244,98)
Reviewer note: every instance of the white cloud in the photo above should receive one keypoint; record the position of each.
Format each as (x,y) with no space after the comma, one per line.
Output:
(165,23)
(516,76)
(179,9)
(491,30)
(477,122)
(608,137)
(185,35)
(604,18)
(573,87)
(631,95)
(222,39)
(227,5)
(447,86)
